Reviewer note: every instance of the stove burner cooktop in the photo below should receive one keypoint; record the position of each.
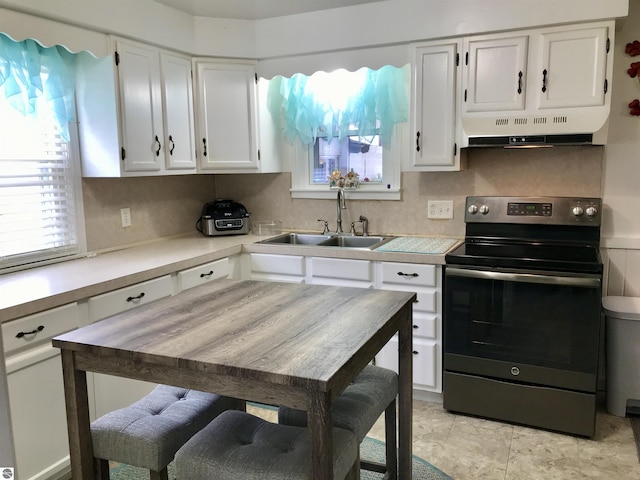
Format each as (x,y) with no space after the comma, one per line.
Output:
(579,259)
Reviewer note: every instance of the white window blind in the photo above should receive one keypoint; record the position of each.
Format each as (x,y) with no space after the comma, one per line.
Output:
(40,208)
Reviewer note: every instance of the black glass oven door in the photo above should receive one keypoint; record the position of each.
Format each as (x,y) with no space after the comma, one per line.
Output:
(543,320)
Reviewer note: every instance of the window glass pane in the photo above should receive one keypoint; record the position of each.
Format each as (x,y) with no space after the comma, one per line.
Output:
(363,155)
(38,213)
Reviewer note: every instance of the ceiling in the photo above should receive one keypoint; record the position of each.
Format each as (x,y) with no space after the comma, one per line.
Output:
(255,9)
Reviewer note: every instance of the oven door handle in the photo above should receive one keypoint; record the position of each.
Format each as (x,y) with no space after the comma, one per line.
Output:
(586,281)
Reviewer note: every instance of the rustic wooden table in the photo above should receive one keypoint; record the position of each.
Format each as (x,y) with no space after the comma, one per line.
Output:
(274,343)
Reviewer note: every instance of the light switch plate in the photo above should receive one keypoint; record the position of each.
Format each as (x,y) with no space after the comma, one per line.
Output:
(439,209)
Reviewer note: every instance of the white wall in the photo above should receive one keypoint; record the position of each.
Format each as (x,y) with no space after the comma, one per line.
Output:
(381,23)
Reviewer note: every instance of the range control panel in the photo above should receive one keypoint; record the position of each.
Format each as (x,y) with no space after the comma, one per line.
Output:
(534,210)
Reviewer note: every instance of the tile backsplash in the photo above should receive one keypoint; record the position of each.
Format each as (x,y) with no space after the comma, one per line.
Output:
(165,206)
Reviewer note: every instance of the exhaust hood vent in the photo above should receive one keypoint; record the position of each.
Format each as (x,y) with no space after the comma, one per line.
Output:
(580,126)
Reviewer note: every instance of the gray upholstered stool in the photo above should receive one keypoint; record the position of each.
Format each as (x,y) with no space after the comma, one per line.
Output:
(357,409)
(240,446)
(149,432)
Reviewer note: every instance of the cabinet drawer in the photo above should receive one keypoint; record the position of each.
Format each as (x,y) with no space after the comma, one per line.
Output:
(278,264)
(39,327)
(341,268)
(425,326)
(426,298)
(203,273)
(409,274)
(107,304)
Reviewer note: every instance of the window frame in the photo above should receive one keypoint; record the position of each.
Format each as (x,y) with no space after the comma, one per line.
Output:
(55,255)
(303,157)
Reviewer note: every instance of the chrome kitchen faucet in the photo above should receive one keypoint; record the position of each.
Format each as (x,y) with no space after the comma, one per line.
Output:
(342,205)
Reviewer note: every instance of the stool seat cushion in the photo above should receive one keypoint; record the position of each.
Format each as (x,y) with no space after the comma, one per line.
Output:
(360,405)
(240,446)
(148,433)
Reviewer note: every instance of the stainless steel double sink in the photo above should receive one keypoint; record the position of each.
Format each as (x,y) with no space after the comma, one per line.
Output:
(327,240)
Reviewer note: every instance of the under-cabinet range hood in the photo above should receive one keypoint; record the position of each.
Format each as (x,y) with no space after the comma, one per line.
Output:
(574,126)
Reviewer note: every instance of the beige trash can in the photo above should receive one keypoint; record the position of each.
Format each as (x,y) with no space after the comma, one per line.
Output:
(623,353)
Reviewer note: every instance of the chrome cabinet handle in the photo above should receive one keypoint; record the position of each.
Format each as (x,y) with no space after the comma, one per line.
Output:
(32,332)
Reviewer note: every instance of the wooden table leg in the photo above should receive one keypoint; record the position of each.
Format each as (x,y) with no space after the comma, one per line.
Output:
(78,424)
(405,398)
(320,430)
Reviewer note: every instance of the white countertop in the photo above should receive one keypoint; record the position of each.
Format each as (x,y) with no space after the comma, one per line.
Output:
(37,289)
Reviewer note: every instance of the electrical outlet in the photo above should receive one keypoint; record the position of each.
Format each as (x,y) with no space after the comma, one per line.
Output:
(440,209)
(125,216)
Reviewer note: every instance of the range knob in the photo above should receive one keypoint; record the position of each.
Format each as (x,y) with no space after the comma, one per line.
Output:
(592,211)
(473,209)
(578,211)
(484,209)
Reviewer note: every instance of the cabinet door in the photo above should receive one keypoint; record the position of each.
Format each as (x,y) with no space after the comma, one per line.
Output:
(38,413)
(572,68)
(495,73)
(426,364)
(341,272)
(434,117)
(140,107)
(177,96)
(227,116)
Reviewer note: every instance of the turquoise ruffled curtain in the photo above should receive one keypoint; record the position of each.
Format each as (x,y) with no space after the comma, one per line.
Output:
(334,104)
(29,71)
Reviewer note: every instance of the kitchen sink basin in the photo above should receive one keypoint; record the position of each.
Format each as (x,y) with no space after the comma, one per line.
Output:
(352,242)
(297,239)
(320,240)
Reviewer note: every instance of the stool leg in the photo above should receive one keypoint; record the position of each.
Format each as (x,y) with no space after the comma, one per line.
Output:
(390,441)
(161,475)
(103,468)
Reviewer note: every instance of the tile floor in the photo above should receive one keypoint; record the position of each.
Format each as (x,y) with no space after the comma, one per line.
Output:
(468,448)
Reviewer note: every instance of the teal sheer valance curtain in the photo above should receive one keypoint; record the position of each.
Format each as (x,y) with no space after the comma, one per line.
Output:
(337,103)
(29,71)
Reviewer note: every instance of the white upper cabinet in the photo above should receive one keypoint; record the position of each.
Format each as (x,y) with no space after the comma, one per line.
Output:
(571,68)
(436,86)
(139,120)
(496,73)
(179,119)
(227,117)
(542,81)
(140,107)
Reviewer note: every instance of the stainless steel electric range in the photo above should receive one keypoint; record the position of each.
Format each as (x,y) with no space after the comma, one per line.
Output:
(522,319)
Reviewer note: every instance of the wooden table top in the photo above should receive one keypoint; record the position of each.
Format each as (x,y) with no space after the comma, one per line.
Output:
(290,334)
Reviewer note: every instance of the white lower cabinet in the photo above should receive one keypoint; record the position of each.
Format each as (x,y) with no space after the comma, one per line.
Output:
(111,392)
(425,280)
(207,272)
(36,392)
(340,271)
(277,268)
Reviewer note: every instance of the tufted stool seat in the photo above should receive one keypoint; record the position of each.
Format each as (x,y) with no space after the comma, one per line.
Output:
(240,446)
(357,409)
(149,432)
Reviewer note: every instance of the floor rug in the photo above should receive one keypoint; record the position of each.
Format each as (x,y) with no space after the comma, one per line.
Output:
(370,449)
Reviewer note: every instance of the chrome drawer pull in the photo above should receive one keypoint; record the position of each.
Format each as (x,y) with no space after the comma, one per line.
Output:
(32,332)
(133,299)
(408,274)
